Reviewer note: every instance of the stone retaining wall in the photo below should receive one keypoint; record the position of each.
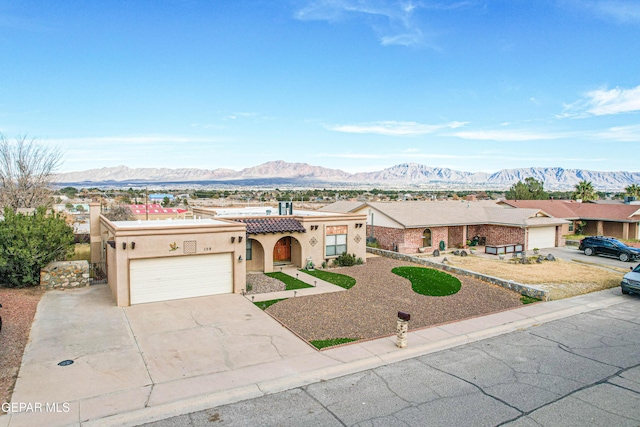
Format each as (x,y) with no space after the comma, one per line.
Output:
(65,275)
(527,290)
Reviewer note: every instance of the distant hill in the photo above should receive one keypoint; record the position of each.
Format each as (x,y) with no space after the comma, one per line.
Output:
(402,175)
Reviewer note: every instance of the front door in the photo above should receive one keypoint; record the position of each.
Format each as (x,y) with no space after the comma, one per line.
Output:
(282,250)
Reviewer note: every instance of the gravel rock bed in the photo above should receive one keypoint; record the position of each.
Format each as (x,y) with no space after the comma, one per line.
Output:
(18,309)
(370,308)
(261,283)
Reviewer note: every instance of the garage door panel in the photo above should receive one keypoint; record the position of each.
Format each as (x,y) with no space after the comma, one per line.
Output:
(541,237)
(168,278)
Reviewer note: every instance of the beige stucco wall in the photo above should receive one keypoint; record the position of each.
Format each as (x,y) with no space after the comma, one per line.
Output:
(157,242)
(310,244)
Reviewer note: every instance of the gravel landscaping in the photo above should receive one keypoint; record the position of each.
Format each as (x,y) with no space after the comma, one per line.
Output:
(369,309)
(261,283)
(18,309)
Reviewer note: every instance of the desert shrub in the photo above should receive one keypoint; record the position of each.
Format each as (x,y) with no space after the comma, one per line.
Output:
(346,260)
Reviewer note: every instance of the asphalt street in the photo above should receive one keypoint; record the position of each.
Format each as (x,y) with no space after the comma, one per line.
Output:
(583,370)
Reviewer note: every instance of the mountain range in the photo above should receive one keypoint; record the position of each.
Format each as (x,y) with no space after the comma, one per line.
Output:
(404,175)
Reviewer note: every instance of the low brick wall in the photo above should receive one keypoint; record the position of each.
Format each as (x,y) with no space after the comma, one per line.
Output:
(65,275)
(508,284)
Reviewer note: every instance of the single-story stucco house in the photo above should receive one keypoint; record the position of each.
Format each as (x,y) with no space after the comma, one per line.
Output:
(410,227)
(159,260)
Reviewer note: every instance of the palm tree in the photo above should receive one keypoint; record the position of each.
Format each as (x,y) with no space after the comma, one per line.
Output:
(584,191)
(633,190)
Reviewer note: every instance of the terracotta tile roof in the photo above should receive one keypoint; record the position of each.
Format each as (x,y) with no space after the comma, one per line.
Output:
(272,225)
(575,210)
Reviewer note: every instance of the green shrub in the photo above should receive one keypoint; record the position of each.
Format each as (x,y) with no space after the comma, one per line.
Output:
(30,242)
(345,260)
(372,242)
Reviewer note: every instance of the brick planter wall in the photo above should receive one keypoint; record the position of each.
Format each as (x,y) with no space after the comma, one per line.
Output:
(65,275)
(527,290)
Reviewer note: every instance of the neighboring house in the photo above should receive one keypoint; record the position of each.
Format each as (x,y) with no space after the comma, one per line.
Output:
(410,227)
(159,260)
(601,219)
(155,211)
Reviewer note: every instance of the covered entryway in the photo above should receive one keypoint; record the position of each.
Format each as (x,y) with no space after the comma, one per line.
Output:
(282,250)
(168,278)
(541,237)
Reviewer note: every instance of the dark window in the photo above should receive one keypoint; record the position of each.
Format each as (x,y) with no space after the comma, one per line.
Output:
(249,254)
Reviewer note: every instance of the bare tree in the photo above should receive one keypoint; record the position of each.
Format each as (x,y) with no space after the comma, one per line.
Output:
(26,172)
(119,213)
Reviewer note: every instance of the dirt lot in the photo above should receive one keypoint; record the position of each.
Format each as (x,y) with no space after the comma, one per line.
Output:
(563,279)
(18,309)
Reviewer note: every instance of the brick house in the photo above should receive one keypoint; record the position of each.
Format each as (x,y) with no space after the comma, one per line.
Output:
(619,220)
(411,227)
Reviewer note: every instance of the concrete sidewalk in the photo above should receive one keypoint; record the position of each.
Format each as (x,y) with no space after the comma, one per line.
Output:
(139,377)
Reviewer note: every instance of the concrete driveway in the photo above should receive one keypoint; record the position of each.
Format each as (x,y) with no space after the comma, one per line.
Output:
(154,361)
(134,357)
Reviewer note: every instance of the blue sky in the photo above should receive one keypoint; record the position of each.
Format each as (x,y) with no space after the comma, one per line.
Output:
(354,85)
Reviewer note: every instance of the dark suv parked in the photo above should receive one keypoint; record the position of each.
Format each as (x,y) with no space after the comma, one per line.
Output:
(607,246)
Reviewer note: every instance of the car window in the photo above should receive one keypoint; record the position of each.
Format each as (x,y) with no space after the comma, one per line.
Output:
(608,244)
(637,269)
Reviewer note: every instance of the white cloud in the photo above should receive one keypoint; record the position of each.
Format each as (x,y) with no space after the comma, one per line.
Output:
(601,102)
(506,135)
(398,27)
(395,128)
(620,133)
(111,141)
(623,11)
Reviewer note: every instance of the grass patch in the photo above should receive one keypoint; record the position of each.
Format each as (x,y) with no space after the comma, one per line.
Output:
(430,282)
(291,283)
(341,280)
(525,299)
(266,304)
(320,344)
(82,251)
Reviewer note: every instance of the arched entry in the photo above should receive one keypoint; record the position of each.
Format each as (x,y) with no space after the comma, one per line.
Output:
(282,251)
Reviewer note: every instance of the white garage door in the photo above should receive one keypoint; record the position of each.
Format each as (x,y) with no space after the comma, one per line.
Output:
(542,237)
(162,279)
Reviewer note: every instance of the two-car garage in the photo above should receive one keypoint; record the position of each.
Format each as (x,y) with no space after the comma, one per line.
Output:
(168,278)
